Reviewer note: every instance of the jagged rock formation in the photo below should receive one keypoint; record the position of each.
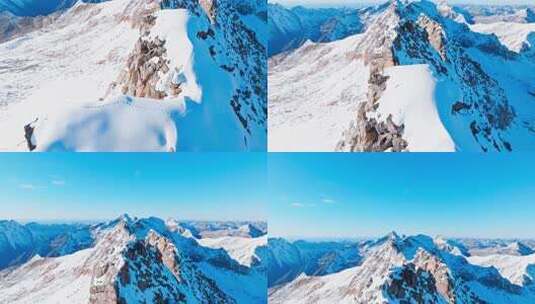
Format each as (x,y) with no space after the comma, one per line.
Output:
(367,134)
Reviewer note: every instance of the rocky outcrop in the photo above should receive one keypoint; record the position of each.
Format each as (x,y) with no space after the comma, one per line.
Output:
(434,34)
(147,72)
(168,253)
(366,133)
(209,7)
(142,73)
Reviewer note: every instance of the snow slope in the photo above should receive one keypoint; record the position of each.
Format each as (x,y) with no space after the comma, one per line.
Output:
(320,107)
(241,249)
(513,35)
(517,269)
(49,280)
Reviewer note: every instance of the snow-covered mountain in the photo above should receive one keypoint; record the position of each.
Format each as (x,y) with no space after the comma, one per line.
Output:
(419,78)
(136,75)
(19,243)
(289,28)
(498,13)
(214,229)
(132,260)
(415,269)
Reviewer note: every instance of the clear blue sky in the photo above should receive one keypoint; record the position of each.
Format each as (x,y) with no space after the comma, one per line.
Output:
(198,186)
(361,195)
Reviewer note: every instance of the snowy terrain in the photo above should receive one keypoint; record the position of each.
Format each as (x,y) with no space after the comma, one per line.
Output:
(406,269)
(128,260)
(418,77)
(132,75)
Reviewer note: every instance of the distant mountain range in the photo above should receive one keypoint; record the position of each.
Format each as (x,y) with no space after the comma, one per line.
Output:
(403,269)
(130,260)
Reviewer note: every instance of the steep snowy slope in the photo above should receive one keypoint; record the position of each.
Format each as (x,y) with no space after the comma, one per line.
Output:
(399,269)
(410,99)
(134,261)
(180,75)
(308,110)
(477,97)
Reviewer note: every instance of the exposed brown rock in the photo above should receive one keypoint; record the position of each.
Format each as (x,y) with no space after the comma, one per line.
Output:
(141,75)
(434,35)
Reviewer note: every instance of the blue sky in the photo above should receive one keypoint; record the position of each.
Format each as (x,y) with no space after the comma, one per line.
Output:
(198,186)
(362,195)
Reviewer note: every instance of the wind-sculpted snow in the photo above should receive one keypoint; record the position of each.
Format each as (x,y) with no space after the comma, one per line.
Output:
(414,269)
(182,77)
(134,260)
(474,94)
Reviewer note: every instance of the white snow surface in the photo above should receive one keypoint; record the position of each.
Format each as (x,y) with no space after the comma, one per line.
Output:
(513,35)
(410,98)
(313,95)
(241,249)
(48,280)
(514,268)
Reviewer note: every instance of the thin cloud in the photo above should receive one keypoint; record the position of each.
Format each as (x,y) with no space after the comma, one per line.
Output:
(297,205)
(328,201)
(30,187)
(58,182)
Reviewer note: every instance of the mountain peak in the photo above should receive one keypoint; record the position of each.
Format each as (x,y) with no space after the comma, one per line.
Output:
(394,236)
